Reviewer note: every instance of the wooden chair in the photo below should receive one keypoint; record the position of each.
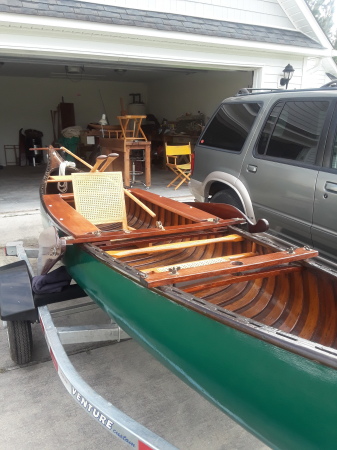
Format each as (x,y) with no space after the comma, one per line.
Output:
(178,159)
(131,127)
(99,198)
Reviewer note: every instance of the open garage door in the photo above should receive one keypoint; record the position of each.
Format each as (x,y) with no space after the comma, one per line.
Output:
(35,87)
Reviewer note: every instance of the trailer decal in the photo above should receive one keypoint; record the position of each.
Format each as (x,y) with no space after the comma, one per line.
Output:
(99,416)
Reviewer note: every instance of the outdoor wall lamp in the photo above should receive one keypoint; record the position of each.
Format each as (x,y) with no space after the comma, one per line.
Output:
(288,73)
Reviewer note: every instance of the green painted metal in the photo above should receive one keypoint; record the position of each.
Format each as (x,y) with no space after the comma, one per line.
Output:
(287,401)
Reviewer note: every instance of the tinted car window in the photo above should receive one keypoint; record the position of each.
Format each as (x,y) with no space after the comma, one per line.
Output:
(292,131)
(230,126)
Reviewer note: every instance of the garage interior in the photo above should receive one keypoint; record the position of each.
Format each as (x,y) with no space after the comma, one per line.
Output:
(42,97)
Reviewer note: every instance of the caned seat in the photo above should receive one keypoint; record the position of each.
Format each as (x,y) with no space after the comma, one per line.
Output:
(178,159)
(99,197)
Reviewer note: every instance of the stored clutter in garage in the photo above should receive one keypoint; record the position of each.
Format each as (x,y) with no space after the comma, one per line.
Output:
(35,90)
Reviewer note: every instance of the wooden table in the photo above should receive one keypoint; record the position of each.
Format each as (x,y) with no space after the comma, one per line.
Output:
(124,147)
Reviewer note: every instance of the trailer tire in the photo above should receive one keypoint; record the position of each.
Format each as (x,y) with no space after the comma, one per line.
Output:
(20,341)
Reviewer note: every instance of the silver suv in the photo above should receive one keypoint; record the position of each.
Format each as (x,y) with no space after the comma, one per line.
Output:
(273,155)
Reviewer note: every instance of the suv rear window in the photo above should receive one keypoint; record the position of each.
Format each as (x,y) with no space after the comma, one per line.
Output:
(230,126)
(293,130)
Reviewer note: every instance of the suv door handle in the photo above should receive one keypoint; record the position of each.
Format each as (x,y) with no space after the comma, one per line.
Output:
(252,168)
(331,187)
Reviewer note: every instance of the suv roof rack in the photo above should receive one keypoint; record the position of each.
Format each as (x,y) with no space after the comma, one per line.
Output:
(247,91)
(332,84)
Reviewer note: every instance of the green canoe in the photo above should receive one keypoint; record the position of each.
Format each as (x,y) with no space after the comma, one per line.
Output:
(248,322)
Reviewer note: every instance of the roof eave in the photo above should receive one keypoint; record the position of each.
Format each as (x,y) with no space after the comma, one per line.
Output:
(309,19)
(52,25)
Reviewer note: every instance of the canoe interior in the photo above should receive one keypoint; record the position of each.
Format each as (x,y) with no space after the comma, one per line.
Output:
(291,297)
(298,301)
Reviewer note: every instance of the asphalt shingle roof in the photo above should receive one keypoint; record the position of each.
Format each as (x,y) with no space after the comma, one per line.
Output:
(92,12)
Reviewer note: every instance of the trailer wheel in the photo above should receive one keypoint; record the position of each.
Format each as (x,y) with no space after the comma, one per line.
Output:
(20,341)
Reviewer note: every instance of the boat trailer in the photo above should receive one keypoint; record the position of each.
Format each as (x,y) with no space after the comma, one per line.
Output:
(20,307)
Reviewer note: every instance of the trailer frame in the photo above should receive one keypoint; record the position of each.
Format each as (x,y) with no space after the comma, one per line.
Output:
(102,411)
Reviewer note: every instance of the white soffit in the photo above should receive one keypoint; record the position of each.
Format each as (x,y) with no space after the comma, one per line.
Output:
(67,29)
(300,15)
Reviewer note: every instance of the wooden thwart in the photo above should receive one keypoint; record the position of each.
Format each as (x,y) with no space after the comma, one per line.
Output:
(174,246)
(228,267)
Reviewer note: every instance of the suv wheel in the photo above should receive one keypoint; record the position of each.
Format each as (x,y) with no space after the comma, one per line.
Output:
(227,197)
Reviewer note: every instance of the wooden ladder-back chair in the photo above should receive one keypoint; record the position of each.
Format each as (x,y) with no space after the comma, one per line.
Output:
(178,159)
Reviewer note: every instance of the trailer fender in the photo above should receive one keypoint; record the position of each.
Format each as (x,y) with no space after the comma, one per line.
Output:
(16,297)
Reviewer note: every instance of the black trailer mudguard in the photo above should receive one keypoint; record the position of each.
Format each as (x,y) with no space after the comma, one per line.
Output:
(16,297)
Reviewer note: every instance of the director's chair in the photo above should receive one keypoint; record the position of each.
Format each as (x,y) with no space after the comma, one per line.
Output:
(178,159)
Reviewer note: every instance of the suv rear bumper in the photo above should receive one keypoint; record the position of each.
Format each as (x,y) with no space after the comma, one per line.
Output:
(197,189)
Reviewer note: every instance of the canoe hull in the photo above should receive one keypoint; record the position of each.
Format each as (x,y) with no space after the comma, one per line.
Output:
(284,399)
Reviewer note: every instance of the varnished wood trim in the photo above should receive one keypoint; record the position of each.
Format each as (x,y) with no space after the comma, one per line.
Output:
(181,209)
(174,246)
(70,220)
(239,278)
(149,233)
(256,262)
